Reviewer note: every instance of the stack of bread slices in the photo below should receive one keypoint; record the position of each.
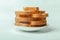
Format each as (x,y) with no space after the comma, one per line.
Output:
(31,17)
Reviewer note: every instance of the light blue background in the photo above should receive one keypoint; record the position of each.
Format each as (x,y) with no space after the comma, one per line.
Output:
(7,13)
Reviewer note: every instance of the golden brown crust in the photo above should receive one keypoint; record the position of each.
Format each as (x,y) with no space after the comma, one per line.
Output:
(35,19)
(21,19)
(22,14)
(21,24)
(36,23)
(41,12)
(38,15)
(31,9)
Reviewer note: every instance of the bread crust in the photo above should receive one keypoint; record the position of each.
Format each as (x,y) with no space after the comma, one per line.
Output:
(21,24)
(31,9)
(22,19)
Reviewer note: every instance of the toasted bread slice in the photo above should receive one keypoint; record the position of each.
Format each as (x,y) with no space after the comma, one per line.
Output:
(31,9)
(22,14)
(36,22)
(38,15)
(22,19)
(21,24)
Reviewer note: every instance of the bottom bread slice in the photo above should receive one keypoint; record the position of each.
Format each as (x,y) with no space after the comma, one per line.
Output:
(37,22)
(38,25)
(21,24)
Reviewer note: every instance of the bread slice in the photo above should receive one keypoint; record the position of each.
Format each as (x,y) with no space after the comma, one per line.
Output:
(21,24)
(22,19)
(38,15)
(31,9)
(22,14)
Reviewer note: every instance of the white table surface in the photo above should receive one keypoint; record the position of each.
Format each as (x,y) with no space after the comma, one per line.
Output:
(7,32)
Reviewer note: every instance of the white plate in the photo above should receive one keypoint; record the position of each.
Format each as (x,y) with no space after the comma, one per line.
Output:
(29,28)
